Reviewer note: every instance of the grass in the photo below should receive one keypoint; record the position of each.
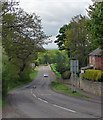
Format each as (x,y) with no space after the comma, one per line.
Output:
(65,89)
(54,70)
(43,65)
(2,103)
(33,75)
(18,84)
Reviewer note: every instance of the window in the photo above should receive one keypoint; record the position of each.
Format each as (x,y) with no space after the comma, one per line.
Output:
(93,60)
(90,59)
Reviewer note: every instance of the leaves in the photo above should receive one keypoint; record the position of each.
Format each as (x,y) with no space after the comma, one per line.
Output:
(22,35)
(95,25)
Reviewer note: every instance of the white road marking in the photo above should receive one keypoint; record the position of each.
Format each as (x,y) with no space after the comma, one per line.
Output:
(42,100)
(37,92)
(31,91)
(34,95)
(45,94)
(65,108)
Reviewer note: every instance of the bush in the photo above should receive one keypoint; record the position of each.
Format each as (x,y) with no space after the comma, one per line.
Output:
(54,70)
(93,75)
(37,62)
(61,68)
(25,75)
(66,75)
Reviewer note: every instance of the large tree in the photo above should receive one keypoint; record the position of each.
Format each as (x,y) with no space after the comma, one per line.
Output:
(22,35)
(95,24)
(76,40)
(61,36)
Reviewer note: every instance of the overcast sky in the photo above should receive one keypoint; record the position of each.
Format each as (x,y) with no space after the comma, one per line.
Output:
(55,13)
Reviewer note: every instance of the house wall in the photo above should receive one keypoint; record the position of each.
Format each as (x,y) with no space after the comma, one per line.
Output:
(99,62)
(96,61)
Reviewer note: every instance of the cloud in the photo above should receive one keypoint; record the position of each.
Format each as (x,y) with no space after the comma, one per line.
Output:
(51,45)
(55,13)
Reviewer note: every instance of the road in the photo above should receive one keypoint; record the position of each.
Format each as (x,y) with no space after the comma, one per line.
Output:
(37,100)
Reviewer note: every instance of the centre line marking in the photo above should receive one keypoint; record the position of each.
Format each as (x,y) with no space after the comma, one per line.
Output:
(65,108)
(42,100)
(31,91)
(34,95)
(45,94)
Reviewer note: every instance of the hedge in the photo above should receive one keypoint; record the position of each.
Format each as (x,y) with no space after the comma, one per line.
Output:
(93,75)
(66,75)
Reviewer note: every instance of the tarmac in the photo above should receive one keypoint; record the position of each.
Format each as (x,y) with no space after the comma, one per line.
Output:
(93,98)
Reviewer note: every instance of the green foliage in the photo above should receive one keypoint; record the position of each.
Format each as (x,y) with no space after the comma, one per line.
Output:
(61,68)
(37,63)
(95,24)
(53,56)
(93,75)
(66,75)
(65,89)
(22,37)
(34,74)
(18,83)
(61,36)
(9,75)
(63,63)
(54,70)
(49,56)
(77,39)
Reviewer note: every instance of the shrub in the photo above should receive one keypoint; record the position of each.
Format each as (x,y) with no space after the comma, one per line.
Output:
(66,75)
(61,68)
(93,75)
(54,70)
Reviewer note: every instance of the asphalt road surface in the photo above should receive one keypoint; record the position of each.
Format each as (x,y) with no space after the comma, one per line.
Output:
(37,100)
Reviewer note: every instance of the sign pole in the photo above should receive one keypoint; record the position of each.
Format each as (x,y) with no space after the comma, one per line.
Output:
(72,82)
(75,82)
(74,68)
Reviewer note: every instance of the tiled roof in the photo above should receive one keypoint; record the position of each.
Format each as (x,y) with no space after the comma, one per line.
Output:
(95,52)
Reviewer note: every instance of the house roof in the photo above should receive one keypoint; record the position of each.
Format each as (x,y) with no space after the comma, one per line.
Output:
(96,52)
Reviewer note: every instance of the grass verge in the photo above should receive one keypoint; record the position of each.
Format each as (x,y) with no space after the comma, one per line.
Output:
(54,70)
(65,89)
(18,84)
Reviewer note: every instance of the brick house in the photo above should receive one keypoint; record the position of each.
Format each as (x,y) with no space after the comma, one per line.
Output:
(96,59)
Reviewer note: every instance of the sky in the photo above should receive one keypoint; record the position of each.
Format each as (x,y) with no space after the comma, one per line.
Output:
(55,13)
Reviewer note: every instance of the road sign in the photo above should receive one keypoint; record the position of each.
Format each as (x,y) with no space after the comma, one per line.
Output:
(74,66)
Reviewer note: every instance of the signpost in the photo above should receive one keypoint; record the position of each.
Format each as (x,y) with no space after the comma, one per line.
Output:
(74,68)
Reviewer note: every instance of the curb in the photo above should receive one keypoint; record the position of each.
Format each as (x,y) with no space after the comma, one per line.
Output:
(81,98)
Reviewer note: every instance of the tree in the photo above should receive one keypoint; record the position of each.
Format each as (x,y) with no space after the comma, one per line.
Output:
(22,35)
(61,36)
(76,40)
(95,24)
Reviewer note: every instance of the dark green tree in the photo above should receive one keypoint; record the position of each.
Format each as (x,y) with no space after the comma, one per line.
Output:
(95,24)
(61,36)
(77,41)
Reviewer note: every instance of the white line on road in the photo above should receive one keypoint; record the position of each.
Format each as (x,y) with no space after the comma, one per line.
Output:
(42,100)
(31,91)
(65,108)
(45,94)
(34,95)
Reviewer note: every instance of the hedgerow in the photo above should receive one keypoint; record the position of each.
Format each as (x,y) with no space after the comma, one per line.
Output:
(93,75)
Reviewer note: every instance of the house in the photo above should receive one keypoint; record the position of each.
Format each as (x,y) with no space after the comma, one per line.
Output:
(96,58)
